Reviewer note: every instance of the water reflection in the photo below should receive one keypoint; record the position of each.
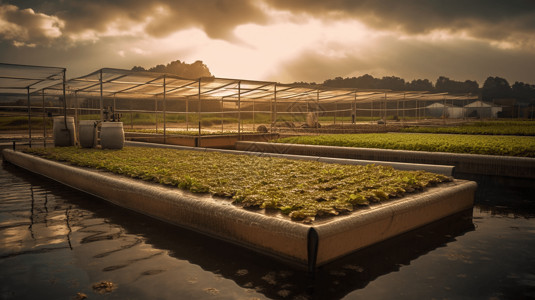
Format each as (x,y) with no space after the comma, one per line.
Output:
(514,202)
(69,240)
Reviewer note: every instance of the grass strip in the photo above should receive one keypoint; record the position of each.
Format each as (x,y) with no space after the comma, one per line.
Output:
(522,146)
(302,190)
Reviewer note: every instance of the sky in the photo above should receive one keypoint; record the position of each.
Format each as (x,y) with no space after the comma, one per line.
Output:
(278,40)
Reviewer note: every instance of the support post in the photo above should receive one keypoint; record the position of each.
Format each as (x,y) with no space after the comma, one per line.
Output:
(164,111)
(199,109)
(343,113)
(239,110)
(385,112)
(75,107)
(44,118)
(397,108)
(29,117)
(417,111)
(101,99)
(274,111)
(131,116)
(403,106)
(156,112)
(222,115)
(315,112)
(71,142)
(444,109)
(335,111)
(354,110)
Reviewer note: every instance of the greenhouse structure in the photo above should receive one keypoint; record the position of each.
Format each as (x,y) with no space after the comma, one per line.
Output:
(169,104)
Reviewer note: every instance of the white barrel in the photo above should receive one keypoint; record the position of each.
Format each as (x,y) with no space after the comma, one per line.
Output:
(87,133)
(63,136)
(112,135)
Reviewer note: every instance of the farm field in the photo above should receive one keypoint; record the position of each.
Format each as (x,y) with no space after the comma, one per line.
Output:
(303,190)
(488,127)
(523,146)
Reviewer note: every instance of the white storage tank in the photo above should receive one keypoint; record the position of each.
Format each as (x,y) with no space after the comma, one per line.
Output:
(64,136)
(112,135)
(87,133)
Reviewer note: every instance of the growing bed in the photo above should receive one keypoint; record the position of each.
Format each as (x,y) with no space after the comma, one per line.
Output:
(314,212)
(302,190)
(523,146)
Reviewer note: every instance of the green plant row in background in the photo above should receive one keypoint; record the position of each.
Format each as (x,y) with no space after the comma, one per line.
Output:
(303,190)
(21,122)
(491,128)
(214,119)
(184,132)
(474,144)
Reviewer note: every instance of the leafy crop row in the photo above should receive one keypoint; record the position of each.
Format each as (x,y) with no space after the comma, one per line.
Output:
(185,132)
(8,123)
(474,144)
(301,189)
(491,128)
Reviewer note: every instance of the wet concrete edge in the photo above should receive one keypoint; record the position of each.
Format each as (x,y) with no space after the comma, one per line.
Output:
(282,238)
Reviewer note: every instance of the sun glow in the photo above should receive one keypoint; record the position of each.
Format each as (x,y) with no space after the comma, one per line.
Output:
(259,50)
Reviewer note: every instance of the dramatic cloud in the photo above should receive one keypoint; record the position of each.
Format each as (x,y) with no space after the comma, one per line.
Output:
(27,28)
(414,59)
(280,40)
(506,24)
(91,20)
(511,21)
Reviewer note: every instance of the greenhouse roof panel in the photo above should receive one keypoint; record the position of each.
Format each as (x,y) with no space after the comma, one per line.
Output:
(136,84)
(23,79)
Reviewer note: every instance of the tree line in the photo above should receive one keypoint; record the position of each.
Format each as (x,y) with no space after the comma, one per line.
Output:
(493,87)
(190,71)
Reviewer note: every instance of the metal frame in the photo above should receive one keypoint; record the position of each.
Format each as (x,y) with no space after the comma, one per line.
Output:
(29,79)
(108,82)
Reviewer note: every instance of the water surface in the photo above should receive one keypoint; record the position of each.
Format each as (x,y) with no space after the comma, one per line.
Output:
(56,242)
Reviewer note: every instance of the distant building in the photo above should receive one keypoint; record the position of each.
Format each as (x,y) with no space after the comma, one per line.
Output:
(480,109)
(510,108)
(439,110)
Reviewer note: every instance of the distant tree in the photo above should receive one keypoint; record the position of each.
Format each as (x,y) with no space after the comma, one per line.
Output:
(444,84)
(159,68)
(392,83)
(419,85)
(304,83)
(365,81)
(494,88)
(190,71)
(523,92)
(336,82)
(138,69)
(471,87)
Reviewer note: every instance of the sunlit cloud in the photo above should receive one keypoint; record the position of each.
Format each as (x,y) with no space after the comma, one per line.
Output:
(25,27)
(280,40)
(269,47)
(488,19)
